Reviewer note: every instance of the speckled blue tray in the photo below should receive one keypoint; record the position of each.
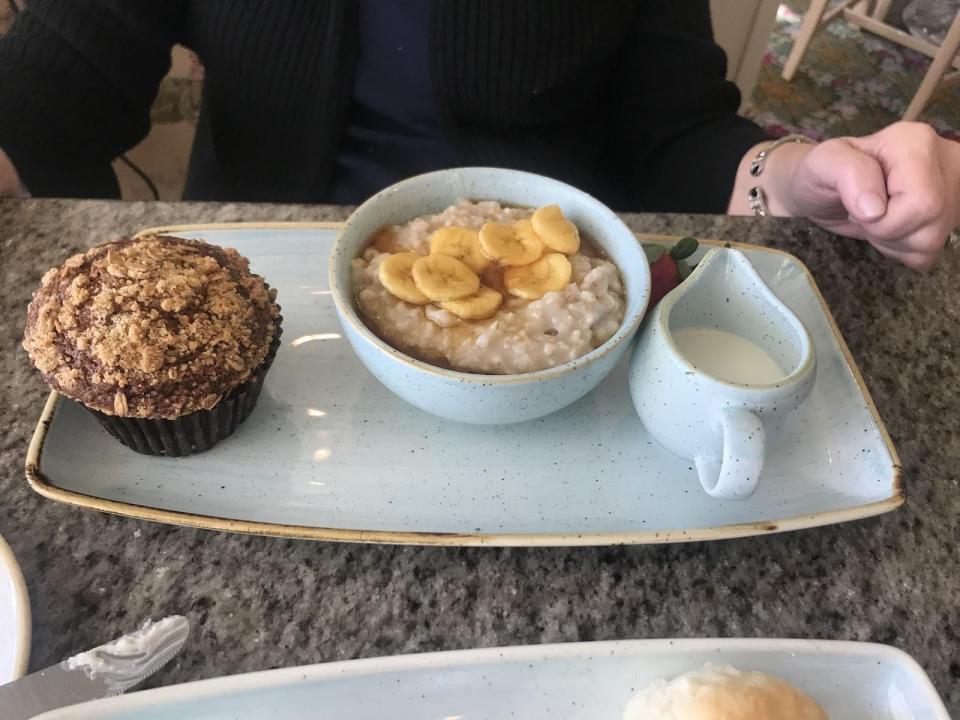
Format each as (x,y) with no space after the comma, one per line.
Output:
(331,454)
(575,681)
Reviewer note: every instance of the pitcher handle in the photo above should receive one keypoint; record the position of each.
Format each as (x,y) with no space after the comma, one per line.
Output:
(736,474)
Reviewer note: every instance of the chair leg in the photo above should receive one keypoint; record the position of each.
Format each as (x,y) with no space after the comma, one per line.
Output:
(941,62)
(811,21)
(881,10)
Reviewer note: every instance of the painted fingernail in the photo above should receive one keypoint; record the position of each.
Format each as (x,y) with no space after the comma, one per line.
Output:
(871,205)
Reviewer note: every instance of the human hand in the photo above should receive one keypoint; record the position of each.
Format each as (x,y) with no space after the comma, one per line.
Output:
(10,185)
(899,189)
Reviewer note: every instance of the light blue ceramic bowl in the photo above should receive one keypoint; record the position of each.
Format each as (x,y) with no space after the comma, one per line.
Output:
(469,397)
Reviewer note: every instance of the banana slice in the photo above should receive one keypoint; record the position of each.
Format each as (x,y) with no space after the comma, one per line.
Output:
(461,243)
(550,273)
(479,306)
(443,278)
(515,244)
(395,275)
(556,232)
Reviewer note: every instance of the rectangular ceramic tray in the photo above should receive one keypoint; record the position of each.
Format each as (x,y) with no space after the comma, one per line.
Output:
(576,681)
(330,454)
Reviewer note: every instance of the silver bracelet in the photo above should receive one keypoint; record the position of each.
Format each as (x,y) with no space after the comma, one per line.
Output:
(755,195)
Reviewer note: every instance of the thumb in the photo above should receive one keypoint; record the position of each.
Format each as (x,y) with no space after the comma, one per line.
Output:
(856,176)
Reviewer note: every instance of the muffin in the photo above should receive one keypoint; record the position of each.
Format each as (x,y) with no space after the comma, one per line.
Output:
(165,340)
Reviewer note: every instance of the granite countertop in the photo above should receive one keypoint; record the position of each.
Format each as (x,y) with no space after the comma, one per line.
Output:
(257,602)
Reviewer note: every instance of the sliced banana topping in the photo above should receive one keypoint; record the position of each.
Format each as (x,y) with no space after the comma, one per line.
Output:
(512,245)
(556,232)
(395,275)
(443,278)
(548,274)
(509,257)
(481,305)
(461,243)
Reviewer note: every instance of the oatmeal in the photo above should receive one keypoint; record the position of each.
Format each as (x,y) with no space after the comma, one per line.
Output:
(489,289)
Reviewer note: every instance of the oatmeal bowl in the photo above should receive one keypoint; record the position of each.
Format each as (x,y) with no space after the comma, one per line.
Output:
(488,296)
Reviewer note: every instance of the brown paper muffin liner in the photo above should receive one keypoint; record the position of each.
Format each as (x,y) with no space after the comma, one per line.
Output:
(198,431)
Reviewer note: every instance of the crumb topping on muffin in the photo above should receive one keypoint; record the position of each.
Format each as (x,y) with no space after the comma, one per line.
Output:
(154,327)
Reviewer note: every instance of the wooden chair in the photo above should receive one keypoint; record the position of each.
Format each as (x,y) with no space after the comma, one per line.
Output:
(944,56)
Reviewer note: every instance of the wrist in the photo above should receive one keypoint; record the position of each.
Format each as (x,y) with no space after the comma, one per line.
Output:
(773,181)
(778,175)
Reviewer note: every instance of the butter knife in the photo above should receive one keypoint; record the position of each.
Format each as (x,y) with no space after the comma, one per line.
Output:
(101,672)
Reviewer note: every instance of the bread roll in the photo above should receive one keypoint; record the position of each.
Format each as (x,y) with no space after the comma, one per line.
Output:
(722,693)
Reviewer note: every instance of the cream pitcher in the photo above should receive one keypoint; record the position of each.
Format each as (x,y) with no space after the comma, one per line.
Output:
(720,362)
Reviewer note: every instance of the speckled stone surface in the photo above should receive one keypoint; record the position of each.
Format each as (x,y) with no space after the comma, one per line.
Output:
(259,603)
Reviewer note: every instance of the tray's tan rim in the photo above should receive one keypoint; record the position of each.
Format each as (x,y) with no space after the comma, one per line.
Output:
(21,635)
(42,485)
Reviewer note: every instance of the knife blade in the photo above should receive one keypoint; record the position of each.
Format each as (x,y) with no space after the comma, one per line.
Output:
(105,670)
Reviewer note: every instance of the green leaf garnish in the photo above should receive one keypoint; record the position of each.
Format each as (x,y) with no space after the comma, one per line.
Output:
(683,269)
(684,248)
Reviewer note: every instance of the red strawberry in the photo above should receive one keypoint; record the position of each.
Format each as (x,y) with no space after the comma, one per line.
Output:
(664,276)
(668,268)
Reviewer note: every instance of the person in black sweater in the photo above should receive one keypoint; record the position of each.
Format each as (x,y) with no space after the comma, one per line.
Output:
(331,100)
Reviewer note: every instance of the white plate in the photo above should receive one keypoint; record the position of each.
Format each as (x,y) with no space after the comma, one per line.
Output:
(588,681)
(329,453)
(14,617)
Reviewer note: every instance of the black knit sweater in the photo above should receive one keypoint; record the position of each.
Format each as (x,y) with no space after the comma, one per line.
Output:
(625,99)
